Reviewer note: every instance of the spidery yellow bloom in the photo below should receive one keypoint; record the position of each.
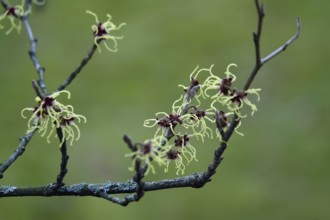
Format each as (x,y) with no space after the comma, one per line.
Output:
(175,155)
(13,14)
(231,98)
(221,86)
(236,100)
(198,122)
(167,121)
(194,90)
(102,32)
(50,114)
(148,151)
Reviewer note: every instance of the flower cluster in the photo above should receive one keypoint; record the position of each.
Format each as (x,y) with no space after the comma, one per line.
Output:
(102,32)
(13,14)
(50,114)
(205,103)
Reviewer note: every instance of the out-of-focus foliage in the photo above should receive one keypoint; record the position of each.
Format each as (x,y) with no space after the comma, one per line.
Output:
(278,170)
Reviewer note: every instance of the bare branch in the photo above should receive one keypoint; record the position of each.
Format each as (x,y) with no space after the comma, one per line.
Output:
(37,90)
(138,180)
(75,73)
(18,152)
(129,143)
(5,4)
(33,50)
(98,190)
(257,35)
(256,38)
(64,160)
(284,46)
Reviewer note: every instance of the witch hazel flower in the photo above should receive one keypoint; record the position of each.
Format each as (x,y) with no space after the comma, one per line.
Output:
(50,114)
(236,100)
(175,156)
(70,129)
(182,149)
(167,121)
(195,88)
(182,143)
(102,31)
(222,86)
(198,123)
(227,96)
(150,151)
(222,122)
(13,14)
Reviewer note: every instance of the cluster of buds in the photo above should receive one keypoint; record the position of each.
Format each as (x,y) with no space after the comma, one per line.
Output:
(49,115)
(102,32)
(188,120)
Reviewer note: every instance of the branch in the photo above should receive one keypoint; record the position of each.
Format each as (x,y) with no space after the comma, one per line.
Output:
(33,50)
(86,189)
(134,188)
(18,152)
(140,171)
(258,64)
(75,73)
(4,4)
(284,46)
(26,139)
(256,38)
(64,160)
(139,189)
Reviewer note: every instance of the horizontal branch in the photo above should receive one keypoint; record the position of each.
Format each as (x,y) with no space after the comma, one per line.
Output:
(110,188)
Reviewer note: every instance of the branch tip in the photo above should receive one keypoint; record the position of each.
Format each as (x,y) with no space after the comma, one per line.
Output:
(260,8)
(298,26)
(129,143)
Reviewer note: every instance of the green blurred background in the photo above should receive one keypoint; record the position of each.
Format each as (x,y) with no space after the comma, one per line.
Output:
(278,170)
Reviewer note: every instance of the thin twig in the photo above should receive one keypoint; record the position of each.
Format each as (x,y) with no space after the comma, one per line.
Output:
(18,152)
(129,143)
(284,46)
(139,175)
(33,50)
(26,139)
(259,62)
(37,90)
(74,74)
(64,160)
(5,4)
(138,179)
